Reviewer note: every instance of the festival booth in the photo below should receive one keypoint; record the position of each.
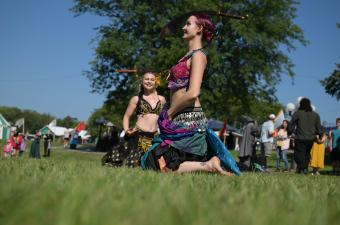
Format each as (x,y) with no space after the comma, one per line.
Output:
(54,130)
(5,128)
(231,134)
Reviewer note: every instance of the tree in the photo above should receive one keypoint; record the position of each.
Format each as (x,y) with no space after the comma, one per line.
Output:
(68,121)
(245,60)
(332,83)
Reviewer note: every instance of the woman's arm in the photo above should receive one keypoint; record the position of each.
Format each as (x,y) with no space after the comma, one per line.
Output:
(330,141)
(198,65)
(162,99)
(129,111)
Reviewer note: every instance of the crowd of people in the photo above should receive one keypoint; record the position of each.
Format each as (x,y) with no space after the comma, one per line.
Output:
(16,145)
(303,134)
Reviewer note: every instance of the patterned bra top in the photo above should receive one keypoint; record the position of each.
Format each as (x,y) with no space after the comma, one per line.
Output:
(180,73)
(144,107)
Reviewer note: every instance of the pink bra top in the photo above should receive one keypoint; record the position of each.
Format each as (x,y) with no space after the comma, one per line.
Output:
(180,73)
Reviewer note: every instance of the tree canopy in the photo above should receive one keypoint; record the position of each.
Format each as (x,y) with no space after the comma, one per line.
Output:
(332,82)
(246,60)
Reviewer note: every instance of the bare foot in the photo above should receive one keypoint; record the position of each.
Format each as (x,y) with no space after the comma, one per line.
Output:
(215,166)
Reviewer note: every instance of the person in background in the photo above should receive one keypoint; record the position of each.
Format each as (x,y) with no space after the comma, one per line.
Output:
(74,140)
(283,142)
(47,144)
(23,142)
(35,147)
(66,138)
(247,144)
(267,139)
(318,154)
(305,123)
(335,147)
(8,149)
(15,143)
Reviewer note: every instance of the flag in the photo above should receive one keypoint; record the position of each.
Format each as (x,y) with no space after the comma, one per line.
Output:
(20,122)
(81,126)
(279,119)
(223,130)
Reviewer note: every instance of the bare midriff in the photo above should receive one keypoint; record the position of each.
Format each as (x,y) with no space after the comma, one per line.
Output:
(147,122)
(178,94)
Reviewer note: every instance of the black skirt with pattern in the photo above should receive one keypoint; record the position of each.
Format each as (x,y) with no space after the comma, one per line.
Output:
(130,151)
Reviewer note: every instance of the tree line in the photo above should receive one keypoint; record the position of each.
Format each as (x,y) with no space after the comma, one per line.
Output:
(35,120)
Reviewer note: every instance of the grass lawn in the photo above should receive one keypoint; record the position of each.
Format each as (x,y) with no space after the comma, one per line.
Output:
(72,187)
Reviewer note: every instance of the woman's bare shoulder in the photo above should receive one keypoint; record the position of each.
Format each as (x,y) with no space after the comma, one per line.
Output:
(134,99)
(162,98)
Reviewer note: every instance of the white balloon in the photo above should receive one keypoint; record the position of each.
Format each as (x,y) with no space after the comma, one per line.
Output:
(313,107)
(297,104)
(290,107)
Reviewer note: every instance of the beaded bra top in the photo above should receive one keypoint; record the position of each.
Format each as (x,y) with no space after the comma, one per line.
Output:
(180,73)
(144,107)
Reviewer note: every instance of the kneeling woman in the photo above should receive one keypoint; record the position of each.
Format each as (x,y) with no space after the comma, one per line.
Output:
(185,144)
(147,105)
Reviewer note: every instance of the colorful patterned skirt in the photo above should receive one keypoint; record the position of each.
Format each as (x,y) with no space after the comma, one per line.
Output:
(185,138)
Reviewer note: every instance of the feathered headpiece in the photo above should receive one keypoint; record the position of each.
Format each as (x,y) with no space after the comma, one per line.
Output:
(141,72)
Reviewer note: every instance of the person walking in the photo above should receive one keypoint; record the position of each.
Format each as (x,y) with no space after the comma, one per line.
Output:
(305,123)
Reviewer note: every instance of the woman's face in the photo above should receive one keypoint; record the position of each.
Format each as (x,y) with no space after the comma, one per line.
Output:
(149,81)
(191,29)
(285,124)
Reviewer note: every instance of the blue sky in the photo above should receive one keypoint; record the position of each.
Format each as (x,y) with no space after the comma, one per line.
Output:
(44,49)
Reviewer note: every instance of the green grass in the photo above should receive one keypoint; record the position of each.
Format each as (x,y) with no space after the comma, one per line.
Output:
(73,188)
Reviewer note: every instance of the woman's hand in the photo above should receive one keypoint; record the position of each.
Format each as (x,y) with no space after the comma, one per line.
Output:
(130,131)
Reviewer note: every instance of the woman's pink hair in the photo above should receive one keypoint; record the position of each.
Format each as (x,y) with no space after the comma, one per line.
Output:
(205,21)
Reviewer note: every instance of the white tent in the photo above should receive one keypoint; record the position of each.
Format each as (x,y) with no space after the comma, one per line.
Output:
(5,127)
(55,130)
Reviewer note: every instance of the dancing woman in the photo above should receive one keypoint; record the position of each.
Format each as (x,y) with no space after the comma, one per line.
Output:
(185,144)
(147,105)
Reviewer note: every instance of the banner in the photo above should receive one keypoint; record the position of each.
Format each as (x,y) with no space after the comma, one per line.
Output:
(20,122)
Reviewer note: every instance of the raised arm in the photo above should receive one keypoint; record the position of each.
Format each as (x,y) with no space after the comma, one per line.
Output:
(198,65)
(129,111)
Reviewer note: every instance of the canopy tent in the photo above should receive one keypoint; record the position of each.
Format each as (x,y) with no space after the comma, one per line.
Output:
(5,128)
(231,134)
(54,130)
(218,125)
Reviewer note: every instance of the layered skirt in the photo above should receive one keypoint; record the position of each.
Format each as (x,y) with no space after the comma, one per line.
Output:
(185,138)
(130,152)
